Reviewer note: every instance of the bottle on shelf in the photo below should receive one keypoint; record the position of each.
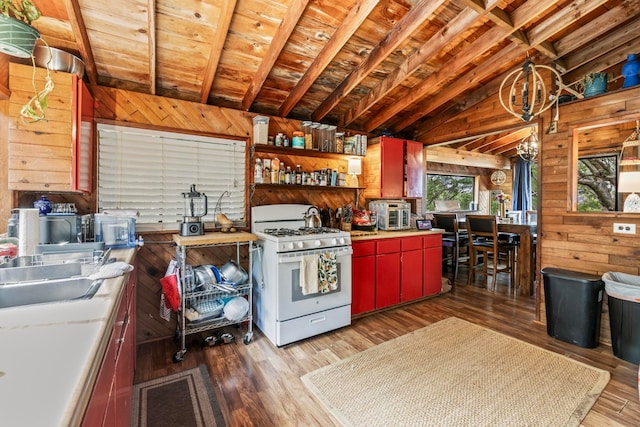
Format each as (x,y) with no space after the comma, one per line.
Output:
(281,174)
(258,171)
(275,169)
(287,175)
(298,175)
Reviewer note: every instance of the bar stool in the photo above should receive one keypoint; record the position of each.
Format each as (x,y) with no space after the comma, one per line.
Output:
(453,238)
(483,234)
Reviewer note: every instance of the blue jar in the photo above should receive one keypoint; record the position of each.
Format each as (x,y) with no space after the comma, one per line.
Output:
(43,205)
(630,71)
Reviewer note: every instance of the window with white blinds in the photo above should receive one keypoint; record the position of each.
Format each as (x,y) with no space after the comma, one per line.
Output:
(147,171)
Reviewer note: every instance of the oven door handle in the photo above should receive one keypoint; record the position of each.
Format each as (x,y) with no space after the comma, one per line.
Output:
(299,256)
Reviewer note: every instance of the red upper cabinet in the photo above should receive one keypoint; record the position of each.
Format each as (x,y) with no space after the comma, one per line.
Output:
(393,168)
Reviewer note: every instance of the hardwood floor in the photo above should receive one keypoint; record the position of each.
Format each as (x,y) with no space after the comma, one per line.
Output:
(259,384)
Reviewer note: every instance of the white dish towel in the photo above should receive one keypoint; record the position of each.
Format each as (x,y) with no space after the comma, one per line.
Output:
(309,274)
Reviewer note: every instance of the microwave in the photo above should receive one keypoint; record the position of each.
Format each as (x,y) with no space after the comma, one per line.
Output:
(392,214)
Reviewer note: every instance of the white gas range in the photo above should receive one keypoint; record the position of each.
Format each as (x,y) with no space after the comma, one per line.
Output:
(289,303)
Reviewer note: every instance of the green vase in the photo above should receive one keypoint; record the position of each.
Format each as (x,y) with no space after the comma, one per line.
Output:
(16,37)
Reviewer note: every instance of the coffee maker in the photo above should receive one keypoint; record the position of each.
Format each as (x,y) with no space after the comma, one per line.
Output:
(195,207)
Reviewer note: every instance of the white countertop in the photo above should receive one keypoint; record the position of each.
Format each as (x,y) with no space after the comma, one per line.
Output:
(50,355)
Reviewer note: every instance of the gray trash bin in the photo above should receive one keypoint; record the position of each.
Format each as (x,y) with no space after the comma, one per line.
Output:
(573,302)
(623,296)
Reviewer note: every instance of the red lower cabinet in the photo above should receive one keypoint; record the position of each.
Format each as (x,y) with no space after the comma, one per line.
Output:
(363,277)
(110,403)
(432,264)
(411,271)
(387,272)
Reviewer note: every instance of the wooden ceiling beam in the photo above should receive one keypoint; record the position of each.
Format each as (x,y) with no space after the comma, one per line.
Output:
(603,62)
(425,107)
(82,39)
(560,20)
(599,26)
(347,28)
(454,89)
(151,32)
(287,25)
(620,37)
(432,83)
(226,14)
(428,50)
(403,29)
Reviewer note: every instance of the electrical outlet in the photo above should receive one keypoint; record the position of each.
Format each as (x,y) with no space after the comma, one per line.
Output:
(624,228)
(553,127)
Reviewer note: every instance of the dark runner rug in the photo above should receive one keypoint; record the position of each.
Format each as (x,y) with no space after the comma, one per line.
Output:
(184,399)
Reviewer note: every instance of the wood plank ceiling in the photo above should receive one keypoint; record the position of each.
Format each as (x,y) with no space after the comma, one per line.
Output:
(404,66)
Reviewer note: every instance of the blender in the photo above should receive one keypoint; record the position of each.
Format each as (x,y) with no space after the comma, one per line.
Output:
(195,207)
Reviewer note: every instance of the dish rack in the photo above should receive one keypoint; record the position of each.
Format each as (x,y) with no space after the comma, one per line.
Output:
(201,307)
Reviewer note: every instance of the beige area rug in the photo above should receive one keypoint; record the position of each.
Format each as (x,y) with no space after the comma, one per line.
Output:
(455,373)
(183,399)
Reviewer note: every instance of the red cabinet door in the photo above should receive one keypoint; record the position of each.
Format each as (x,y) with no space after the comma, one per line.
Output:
(363,283)
(387,279)
(411,275)
(415,169)
(432,270)
(391,167)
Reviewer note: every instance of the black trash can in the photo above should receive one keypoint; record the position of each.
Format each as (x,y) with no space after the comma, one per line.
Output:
(623,296)
(573,303)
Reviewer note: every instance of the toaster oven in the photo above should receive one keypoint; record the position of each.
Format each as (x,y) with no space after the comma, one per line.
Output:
(392,214)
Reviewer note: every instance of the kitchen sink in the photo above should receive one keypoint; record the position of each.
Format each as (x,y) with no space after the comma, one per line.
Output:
(32,273)
(46,291)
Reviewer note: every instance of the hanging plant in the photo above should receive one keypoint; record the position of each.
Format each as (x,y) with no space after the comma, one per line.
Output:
(18,38)
(22,10)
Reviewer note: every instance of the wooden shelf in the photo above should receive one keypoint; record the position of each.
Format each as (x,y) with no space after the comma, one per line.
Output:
(288,151)
(304,187)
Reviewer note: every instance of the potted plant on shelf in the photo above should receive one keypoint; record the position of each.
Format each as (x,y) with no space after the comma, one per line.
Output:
(594,83)
(18,38)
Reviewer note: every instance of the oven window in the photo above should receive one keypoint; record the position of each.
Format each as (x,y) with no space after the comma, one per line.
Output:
(296,289)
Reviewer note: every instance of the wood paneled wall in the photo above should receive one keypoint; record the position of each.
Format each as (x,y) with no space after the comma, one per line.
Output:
(575,241)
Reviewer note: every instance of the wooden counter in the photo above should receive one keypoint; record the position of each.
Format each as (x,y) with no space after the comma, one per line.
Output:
(380,234)
(214,238)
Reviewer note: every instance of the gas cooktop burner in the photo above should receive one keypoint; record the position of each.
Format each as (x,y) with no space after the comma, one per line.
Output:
(302,231)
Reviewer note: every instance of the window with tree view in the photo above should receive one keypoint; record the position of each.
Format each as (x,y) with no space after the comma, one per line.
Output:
(449,187)
(597,182)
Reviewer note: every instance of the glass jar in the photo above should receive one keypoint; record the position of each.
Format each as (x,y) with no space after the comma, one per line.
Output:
(331,136)
(308,135)
(339,142)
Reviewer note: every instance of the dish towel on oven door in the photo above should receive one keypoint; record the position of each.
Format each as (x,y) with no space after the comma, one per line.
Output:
(327,272)
(309,274)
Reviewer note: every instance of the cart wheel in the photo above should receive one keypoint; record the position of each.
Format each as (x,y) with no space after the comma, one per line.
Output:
(178,357)
(247,338)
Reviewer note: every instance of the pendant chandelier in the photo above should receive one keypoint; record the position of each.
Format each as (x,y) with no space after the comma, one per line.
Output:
(527,93)
(527,148)
(630,154)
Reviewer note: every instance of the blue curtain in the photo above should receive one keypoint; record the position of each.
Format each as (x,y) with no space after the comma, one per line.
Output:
(521,195)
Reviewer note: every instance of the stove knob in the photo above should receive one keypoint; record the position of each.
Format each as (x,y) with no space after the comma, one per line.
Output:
(317,242)
(334,241)
(342,240)
(290,245)
(300,245)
